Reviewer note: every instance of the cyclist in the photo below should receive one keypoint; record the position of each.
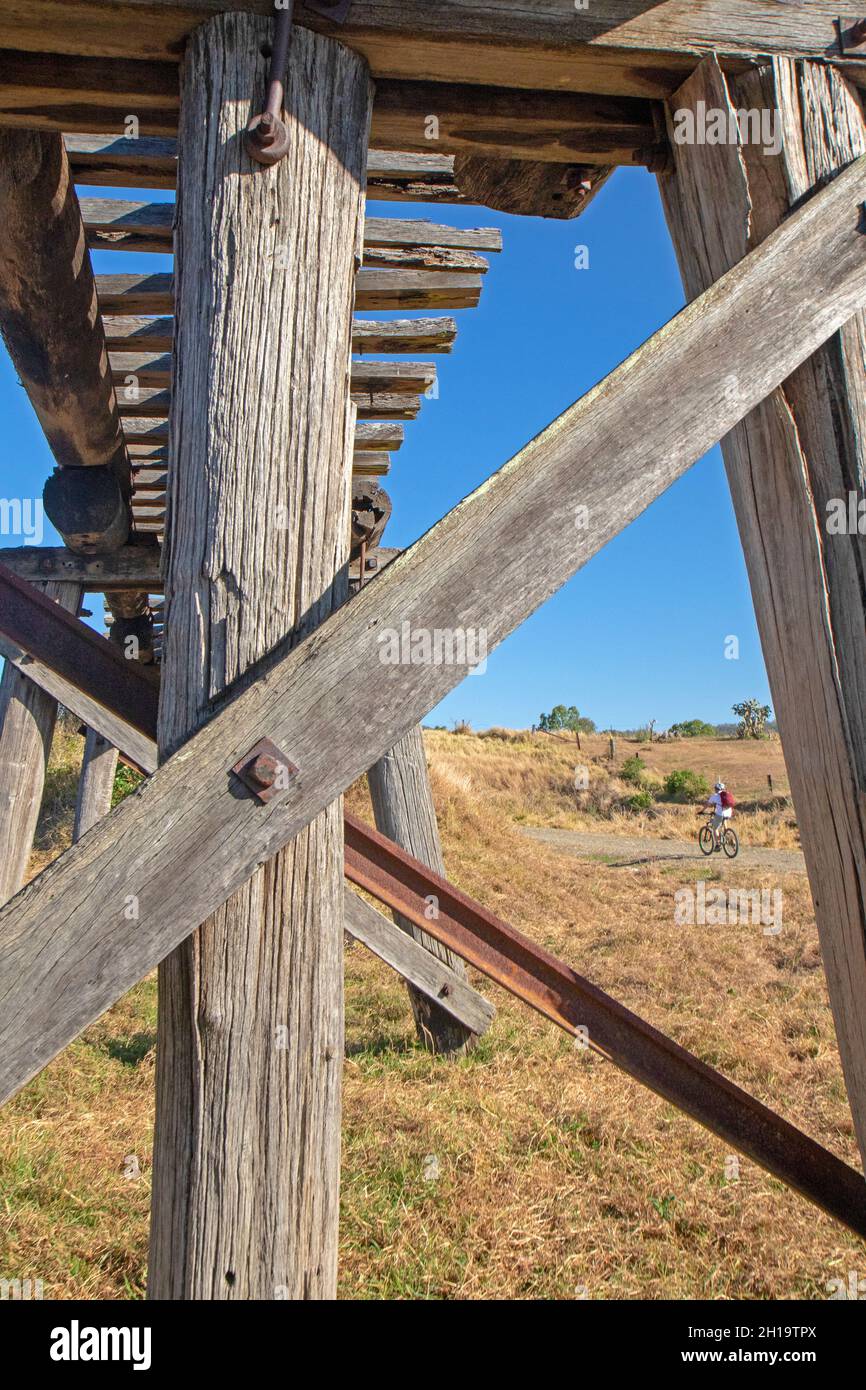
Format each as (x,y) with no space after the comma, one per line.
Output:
(721,803)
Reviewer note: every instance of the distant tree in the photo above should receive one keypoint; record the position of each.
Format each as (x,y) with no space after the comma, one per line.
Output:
(566,717)
(693,728)
(753,719)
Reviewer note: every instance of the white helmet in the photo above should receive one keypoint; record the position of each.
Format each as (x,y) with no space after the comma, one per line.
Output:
(719,787)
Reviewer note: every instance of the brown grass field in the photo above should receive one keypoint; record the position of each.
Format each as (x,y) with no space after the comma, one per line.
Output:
(528,1170)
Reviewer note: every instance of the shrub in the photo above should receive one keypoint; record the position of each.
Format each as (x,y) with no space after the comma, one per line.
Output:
(633,770)
(640,801)
(686,785)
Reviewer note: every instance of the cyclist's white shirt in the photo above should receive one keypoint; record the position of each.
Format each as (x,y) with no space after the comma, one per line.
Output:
(720,810)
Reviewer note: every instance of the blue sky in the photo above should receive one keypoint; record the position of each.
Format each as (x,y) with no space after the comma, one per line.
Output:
(640,632)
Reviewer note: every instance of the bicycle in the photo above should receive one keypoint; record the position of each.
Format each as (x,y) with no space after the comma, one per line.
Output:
(727,838)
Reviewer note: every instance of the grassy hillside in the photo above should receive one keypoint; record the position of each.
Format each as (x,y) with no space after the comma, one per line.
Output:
(528,1170)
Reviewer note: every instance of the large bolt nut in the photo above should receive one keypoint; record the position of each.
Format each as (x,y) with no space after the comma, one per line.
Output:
(263,770)
(266,139)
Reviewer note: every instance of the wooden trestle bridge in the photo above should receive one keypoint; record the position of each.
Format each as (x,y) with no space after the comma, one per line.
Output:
(219,435)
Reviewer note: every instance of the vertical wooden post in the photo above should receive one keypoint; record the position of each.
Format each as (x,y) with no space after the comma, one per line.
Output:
(786,461)
(27,718)
(250,1049)
(95,783)
(404,811)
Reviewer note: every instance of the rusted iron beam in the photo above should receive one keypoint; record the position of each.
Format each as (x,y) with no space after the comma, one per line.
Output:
(74,651)
(614,1032)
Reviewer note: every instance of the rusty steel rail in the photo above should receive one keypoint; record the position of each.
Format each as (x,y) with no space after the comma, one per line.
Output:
(91,663)
(512,960)
(614,1032)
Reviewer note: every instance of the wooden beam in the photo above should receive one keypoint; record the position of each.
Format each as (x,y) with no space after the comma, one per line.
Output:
(250,1037)
(368,335)
(496,121)
(429,978)
(73,650)
(546,984)
(131,567)
(404,810)
(152,403)
(95,783)
(375,289)
(136,746)
(149,225)
(403,335)
(639,49)
(368,436)
(372,438)
(787,463)
(337,701)
(151,162)
(27,718)
(56,343)
(44,91)
(154,369)
(531,190)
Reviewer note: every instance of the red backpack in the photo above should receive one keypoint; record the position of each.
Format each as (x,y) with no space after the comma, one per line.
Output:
(727,801)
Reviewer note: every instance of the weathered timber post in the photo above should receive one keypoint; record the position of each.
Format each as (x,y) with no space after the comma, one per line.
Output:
(95,783)
(247,1144)
(786,462)
(404,811)
(27,719)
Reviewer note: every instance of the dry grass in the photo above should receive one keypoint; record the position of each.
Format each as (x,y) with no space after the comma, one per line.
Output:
(556,1174)
(529,779)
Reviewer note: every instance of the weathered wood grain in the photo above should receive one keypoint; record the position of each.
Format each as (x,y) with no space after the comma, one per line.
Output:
(368,335)
(404,335)
(411,378)
(786,461)
(151,162)
(526,189)
(152,402)
(610,46)
(376,289)
(95,783)
(27,718)
(442,989)
(133,566)
(156,220)
(404,811)
(369,436)
(250,1040)
(184,842)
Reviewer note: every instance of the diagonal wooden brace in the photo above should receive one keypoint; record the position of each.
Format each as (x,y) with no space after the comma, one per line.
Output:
(111,908)
(405,884)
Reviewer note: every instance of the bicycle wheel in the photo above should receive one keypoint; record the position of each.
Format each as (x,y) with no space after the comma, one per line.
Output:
(705,839)
(730,843)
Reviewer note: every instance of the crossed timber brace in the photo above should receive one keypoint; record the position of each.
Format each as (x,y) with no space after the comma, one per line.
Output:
(402,882)
(188,838)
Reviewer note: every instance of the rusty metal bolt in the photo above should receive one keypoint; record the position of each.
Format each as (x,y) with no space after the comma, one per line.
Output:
(266,139)
(263,770)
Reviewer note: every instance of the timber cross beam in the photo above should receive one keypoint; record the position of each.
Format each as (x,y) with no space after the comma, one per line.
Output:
(181,845)
(57,978)
(406,885)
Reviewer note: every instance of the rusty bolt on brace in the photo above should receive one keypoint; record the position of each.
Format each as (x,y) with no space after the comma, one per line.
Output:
(259,769)
(266,138)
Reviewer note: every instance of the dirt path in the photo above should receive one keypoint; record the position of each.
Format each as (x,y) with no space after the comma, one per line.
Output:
(622,850)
